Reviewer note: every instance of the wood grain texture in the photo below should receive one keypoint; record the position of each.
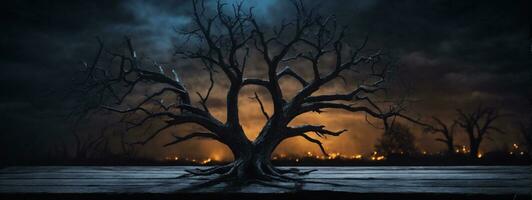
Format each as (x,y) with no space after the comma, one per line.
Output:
(163,179)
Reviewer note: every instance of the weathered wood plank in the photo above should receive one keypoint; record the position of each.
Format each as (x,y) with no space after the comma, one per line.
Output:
(325,168)
(399,176)
(341,182)
(162,179)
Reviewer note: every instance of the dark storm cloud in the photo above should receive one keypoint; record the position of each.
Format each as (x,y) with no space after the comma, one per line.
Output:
(43,43)
(451,48)
(455,52)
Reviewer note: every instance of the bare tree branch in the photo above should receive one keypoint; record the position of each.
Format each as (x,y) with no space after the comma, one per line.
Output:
(287,71)
(319,130)
(262,109)
(203,100)
(477,124)
(317,142)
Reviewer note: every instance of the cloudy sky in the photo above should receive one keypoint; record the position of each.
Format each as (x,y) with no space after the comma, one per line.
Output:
(455,54)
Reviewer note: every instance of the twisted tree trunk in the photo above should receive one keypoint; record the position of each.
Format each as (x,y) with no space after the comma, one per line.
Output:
(225,43)
(477,125)
(474,147)
(251,161)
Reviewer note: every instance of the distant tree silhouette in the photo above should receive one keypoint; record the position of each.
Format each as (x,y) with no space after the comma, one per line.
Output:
(477,124)
(446,130)
(398,139)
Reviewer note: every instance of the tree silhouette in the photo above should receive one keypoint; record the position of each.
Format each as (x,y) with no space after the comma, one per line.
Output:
(226,42)
(445,130)
(441,127)
(477,125)
(398,139)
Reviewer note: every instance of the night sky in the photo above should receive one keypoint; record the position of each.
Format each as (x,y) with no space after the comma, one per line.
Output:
(453,53)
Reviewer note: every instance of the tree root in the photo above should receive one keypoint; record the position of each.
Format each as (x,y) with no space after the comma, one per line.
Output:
(272,184)
(294,171)
(264,174)
(210,171)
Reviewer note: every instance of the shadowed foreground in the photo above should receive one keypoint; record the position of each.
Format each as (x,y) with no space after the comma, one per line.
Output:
(425,181)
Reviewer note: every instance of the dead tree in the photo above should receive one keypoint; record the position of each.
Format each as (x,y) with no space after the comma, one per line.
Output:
(397,139)
(225,42)
(446,131)
(477,125)
(441,127)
